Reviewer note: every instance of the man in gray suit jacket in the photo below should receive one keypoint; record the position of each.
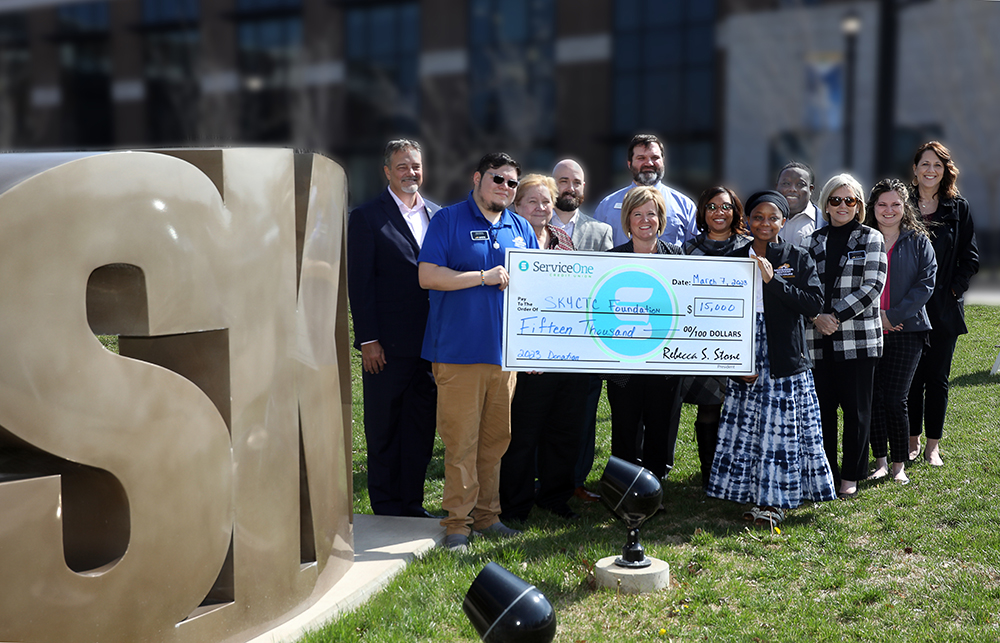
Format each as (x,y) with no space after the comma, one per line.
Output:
(587,234)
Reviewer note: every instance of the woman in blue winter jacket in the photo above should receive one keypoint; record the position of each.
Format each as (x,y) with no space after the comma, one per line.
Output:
(908,286)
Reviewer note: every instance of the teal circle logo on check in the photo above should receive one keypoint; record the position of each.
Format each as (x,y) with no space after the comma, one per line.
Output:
(523,266)
(633,312)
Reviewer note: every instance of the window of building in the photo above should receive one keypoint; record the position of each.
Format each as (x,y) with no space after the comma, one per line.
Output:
(665,82)
(512,76)
(269,45)
(15,82)
(86,17)
(266,5)
(383,90)
(170,57)
(85,70)
(164,12)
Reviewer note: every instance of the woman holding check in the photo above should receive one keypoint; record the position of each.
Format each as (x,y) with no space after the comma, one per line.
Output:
(639,401)
(770,450)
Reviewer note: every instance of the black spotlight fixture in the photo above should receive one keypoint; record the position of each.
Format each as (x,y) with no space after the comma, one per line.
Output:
(633,494)
(503,608)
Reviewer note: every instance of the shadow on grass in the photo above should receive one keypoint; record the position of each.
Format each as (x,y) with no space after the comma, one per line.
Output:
(979,378)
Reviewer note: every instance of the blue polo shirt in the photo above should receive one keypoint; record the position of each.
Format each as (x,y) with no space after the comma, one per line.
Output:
(465,326)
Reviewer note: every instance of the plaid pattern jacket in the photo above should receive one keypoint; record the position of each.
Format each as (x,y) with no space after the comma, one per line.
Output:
(855,301)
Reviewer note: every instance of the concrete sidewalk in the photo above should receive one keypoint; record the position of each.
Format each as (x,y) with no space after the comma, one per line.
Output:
(987,294)
(383,545)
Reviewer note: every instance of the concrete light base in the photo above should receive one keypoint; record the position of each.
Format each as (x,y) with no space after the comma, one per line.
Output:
(632,581)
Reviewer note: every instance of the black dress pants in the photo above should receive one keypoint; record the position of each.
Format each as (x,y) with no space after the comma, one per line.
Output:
(545,419)
(846,385)
(893,377)
(589,430)
(400,419)
(928,401)
(643,411)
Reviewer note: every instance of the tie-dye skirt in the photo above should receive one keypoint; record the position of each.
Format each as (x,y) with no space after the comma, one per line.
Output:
(770,450)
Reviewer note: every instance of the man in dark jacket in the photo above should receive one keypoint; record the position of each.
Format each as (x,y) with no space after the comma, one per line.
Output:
(389,309)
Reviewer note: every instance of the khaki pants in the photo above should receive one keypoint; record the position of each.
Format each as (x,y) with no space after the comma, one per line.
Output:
(473,420)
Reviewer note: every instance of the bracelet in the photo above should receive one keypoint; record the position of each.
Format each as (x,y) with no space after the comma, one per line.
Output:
(482,278)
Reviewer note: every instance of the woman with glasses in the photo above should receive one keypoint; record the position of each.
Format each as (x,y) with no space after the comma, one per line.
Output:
(770,450)
(720,219)
(949,222)
(909,284)
(845,339)
(547,409)
(642,405)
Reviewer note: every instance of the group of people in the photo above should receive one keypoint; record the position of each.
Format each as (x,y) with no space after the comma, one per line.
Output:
(859,302)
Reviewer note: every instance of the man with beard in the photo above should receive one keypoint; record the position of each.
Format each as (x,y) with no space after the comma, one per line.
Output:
(587,234)
(389,309)
(461,263)
(646,156)
(796,182)
(646,162)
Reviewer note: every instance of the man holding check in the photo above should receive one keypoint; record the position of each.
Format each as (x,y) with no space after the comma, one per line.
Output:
(461,263)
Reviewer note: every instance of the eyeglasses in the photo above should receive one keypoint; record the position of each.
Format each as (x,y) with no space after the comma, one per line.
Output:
(725,207)
(511,183)
(849,200)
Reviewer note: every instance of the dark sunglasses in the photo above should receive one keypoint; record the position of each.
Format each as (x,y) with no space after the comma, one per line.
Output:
(849,200)
(511,183)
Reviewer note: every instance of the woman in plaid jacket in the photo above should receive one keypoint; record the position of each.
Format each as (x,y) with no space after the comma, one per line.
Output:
(845,340)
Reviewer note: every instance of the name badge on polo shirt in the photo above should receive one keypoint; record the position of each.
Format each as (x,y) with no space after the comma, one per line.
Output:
(480,235)
(855,255)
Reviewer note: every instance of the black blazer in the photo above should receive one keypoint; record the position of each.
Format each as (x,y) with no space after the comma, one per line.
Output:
(387,302)
(793,293)
(954,239)
(662,248)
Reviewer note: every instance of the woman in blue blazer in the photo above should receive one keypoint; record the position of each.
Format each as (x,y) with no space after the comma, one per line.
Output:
(909,284)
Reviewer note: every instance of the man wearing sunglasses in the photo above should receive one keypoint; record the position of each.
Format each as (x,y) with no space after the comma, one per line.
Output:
(646,159)
(461,263)
(796,182)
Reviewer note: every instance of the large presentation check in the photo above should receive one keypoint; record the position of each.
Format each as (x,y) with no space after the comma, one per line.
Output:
(602,312)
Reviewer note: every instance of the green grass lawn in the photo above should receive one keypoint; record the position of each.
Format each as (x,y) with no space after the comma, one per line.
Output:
(913,563)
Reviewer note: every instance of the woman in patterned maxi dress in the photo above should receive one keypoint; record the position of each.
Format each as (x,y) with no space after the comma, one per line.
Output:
(770,452)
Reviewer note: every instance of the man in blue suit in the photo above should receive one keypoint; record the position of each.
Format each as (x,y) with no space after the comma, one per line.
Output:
(389,309)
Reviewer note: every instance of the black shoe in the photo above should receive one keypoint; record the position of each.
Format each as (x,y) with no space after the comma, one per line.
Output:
(563,512)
